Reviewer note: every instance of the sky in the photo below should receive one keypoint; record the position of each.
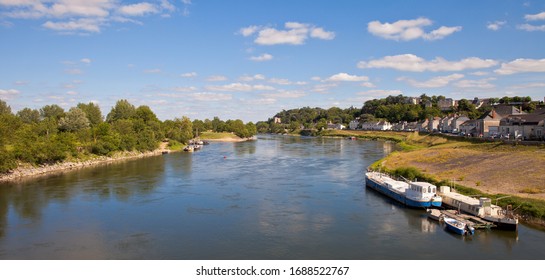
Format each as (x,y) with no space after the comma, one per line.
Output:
(248,60)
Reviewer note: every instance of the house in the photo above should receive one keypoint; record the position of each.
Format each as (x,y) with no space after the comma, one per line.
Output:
(523,126)
(488,124)
(446,104)
(433,124)
(277,120)
(355,124)
(335,126)
(456,122)
(444,124)
(378,125)
(422,126)
(469,128)
(413,100)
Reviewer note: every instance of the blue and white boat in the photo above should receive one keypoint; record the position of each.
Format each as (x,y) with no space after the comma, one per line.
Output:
(412,194)
(458,227)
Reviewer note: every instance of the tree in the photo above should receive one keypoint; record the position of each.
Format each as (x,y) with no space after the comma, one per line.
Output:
(4,108)
(74,120)
(123,110)
(28,115)
(146,114)
(52,111)
(93,113)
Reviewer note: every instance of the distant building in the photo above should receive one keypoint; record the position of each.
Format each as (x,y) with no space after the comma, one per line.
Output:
(524,126)
(489,123)
(277,120)
(355,124)
(335,126)
(446,104)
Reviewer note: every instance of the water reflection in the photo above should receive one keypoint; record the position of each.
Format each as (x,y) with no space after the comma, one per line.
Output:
(275,198)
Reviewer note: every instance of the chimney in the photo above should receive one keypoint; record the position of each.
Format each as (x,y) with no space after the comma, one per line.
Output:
(493,113)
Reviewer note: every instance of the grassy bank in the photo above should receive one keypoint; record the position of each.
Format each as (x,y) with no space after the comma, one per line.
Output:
(220,136)
(513,173)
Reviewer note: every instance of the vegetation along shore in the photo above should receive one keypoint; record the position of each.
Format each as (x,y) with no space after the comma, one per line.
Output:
(50,139)
(506,172)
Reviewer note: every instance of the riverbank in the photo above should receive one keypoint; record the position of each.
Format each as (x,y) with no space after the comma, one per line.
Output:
(222,137)
(29,171)
(511,172)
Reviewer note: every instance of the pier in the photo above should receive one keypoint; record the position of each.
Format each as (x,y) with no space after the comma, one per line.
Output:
(474,221)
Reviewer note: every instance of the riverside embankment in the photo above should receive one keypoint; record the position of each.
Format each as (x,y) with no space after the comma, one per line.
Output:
(512,173)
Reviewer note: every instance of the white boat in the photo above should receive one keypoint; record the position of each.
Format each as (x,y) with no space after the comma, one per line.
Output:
(482,208)
(435,214)
(458,227)
(412,194)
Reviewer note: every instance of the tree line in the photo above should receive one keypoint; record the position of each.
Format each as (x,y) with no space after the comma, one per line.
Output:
(51,134)
(392,109)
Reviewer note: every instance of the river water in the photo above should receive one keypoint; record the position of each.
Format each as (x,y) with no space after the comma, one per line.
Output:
(279,197)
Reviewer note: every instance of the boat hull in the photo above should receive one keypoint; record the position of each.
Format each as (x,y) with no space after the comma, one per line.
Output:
(503,224)
(457,227)
(396,196)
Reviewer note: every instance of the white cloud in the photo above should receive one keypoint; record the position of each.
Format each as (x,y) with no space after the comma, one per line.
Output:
(406,30)
(8,93)
(323,88)
(285,94)
(540,16)
(413,63)
(344,77)
(521,65)
(478,84)
(380,92)
(480,73)
(529,27)
(528,85)
(216,78)
(73,71)
(320,33)
(82,24)
(247,31)
(86,60)
(138,9)
(495,25)
(189,75)
(210,96)
(239,87)
(72,16)
(368,84)
(184,89)
(247,78)
(295,33)
(71,92)
(435,82)
(263,57)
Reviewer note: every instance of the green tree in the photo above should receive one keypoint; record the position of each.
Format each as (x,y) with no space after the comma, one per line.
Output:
(28,115)
(93,113)
(251,128)
(5,109)
(52,111)
(123,110)
(74,120)
(146,114)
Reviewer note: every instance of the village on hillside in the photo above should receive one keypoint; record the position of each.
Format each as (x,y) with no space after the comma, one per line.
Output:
(503,121)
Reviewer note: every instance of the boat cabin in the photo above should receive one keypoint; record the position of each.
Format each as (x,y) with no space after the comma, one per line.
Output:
(421,190)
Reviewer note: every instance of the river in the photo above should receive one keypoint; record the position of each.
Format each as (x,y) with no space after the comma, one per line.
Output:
(279,197)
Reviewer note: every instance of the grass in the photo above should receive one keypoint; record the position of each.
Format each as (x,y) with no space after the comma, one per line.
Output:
(218,135)
(493,170)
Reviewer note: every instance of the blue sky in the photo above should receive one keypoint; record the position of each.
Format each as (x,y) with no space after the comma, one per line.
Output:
(250,59)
